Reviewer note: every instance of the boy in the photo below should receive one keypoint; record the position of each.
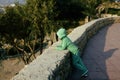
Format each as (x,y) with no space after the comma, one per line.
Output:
(69,45)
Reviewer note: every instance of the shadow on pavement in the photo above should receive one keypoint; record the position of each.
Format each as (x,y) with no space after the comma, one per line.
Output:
(96,56)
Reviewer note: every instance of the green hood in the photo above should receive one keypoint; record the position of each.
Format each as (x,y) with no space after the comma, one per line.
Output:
(61,33)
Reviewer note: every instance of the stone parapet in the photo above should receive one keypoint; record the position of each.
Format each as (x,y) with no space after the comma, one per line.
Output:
(56,65)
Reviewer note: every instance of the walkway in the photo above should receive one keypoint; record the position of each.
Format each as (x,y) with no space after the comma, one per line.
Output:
(102,55)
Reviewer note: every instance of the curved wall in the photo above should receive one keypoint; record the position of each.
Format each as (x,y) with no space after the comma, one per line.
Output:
(55,65)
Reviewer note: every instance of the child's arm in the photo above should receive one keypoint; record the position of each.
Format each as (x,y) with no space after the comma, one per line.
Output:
(62,46)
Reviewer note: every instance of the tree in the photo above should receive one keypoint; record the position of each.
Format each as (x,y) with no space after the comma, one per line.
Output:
(38,14)
(15,27)
(28,25)
(104,7)
(69,9)
(90,8)
(42,15)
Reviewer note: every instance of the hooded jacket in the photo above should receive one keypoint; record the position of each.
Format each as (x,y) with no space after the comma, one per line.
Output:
(66,42)
(69,45)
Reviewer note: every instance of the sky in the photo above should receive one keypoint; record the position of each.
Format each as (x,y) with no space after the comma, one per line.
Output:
(7,2)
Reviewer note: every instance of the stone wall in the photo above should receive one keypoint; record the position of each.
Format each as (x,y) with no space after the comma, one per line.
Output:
(54,64)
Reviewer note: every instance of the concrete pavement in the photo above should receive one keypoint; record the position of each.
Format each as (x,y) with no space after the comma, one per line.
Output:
(102,55)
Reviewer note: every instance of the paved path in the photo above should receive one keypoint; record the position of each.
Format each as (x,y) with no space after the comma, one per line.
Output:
(102,55)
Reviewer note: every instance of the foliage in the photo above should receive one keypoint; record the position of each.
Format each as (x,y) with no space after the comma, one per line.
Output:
(41,14)
(113,11)
(24,27)
(69,9)
(108,7)
(90,8)
(14,27)
(11,23)
(118,13)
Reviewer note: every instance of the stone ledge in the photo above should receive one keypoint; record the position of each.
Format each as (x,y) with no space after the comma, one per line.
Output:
(55,65)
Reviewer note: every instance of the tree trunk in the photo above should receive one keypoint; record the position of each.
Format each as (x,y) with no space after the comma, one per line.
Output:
(53,37)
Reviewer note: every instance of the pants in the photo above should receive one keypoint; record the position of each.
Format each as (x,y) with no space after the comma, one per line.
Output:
(77,63)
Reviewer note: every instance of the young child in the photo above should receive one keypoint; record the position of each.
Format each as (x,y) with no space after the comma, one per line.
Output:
(69,45)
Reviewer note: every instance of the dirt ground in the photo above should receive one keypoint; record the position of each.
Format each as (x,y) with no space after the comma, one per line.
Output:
(10,67)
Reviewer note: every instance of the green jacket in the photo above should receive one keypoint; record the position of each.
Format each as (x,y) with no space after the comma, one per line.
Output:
(66,42)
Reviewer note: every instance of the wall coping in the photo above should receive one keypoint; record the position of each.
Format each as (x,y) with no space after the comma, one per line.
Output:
(45,64)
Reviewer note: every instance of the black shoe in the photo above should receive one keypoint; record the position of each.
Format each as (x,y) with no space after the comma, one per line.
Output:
(84,77)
